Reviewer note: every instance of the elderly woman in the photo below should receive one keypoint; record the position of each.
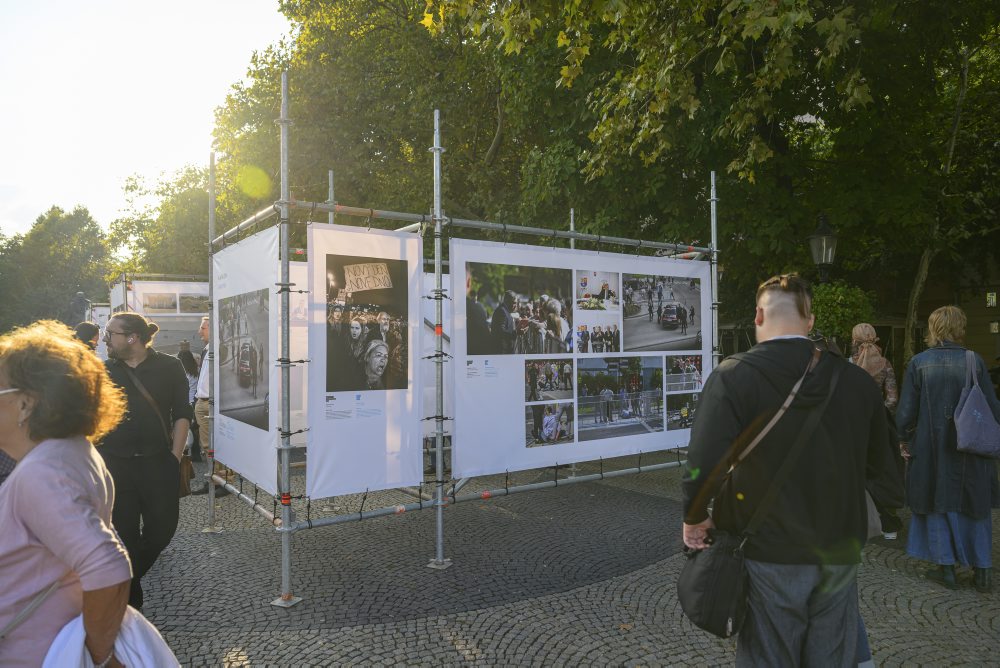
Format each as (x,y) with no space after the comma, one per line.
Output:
(951,493)
(59,556)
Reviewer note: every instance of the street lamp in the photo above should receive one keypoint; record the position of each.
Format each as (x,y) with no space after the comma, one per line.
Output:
(823,246)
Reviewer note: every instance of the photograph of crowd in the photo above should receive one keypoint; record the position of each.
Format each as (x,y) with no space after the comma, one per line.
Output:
(367,311)
(683,373)
(598,338)
(243,357)
(661,312)
(159,302)
(681,409)
(619,396)
(597,290)
(512,310)
(548,379)
(548,424)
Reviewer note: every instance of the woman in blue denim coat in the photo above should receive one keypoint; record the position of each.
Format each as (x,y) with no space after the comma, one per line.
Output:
(950,493)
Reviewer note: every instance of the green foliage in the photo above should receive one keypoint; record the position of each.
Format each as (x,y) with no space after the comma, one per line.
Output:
(42,270)
(838,307)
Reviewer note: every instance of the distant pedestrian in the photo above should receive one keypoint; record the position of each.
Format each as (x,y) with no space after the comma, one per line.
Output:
(88,333)
(691,314)
(683,319)
(649,307)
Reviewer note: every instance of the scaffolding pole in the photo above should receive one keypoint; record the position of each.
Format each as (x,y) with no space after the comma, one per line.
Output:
(258,217)
(330,199)
(286,600)
(209,438)
(714,260)
(438,562)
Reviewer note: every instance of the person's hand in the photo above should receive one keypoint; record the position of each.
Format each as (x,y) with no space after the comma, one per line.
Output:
(904,450)
(696,535)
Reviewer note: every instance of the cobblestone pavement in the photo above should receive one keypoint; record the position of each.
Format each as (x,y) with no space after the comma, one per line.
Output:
(580,574)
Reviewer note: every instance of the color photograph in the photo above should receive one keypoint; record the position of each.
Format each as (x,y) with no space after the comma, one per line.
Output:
(548,379)
(367,324)
(548,424)
(619,396)
(597,290)
(243,358)
(194,303)
(683,373)
(159,303)
(661,313)
(681,409)
(513,310)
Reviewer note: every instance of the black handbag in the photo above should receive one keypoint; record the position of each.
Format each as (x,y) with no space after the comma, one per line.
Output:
(713,586)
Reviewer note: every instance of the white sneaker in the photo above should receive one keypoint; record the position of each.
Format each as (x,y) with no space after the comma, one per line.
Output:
(891,535)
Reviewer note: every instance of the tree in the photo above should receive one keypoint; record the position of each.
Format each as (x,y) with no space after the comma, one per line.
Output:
(42,270)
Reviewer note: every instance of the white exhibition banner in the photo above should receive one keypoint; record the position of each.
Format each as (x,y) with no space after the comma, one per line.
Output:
(564,356)
(298,308)
(364,386)
(245,336)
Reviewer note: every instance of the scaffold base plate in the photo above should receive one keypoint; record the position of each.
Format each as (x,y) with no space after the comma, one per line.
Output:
(286,602)
(439,565)
(212,530)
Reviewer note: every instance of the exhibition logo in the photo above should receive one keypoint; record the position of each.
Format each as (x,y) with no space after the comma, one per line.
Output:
(357,397)
(583,282)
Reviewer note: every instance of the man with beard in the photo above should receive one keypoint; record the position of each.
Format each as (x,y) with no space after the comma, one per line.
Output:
(144,451)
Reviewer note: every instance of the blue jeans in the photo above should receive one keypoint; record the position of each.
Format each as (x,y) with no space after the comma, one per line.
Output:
(800,615)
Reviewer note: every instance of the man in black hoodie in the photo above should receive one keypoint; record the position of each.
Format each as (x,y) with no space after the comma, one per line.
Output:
(803,560)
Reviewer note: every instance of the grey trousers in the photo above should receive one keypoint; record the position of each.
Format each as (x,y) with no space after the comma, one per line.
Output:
(800,615)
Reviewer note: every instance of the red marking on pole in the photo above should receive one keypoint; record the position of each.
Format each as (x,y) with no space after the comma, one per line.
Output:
(400,510)
(286,499)
(486,495)
(438,330)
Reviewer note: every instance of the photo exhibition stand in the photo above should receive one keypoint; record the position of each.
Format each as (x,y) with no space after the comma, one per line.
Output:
(285,521)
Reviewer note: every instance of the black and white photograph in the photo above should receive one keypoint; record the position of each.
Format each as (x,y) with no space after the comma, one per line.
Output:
(619,396)
(681,409)
(159,302)
(683,373)
(661,313)
(597,291)
(243,357)
(548,379)
(548,424)
(367,306)
(513,310)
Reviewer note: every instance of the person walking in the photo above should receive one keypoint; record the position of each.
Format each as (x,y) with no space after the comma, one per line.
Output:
(682,318)
(649,307)
(951,493)
(89,333)
(143,452)
(58,551)
(191,372)
(802,561)
(203,408)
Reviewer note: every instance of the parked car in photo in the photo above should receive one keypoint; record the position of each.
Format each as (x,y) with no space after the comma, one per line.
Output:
(670,318)
(245,365)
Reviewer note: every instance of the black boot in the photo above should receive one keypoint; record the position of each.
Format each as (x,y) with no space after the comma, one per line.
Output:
(944,575)
(983,580)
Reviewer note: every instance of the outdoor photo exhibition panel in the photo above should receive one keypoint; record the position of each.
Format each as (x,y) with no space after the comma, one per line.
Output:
(364,388)
(298,321)
(246,378)
(564,356)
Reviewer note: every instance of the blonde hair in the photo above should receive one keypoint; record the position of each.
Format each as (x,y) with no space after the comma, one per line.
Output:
(946,324)
(73,394)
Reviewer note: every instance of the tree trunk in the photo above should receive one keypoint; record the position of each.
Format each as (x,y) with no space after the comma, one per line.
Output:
(917,291)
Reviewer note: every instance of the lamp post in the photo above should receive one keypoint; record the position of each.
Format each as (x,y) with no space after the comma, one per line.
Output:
(823,246)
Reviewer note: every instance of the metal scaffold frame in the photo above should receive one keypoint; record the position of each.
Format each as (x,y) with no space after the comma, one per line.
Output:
(285,522)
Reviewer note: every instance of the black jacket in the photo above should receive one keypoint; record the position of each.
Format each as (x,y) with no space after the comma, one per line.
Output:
(820,514)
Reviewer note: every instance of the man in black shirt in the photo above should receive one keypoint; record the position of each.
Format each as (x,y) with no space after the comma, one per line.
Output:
(144,451)
(802,562)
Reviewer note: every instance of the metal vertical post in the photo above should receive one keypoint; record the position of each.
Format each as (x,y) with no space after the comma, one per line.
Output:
(286,600)
(438,562)
(330,217)
(209,438)
(572,245)
(716,351)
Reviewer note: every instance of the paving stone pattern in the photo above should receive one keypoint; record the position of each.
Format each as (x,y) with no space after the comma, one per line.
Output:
(583,574)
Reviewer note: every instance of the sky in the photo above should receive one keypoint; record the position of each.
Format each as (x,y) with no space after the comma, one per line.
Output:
(94,92)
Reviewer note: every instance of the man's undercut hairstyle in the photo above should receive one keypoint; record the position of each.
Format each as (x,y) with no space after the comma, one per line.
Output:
(792,285)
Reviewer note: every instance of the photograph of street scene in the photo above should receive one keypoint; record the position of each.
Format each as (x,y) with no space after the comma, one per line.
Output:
(683,373)
(548,380)
(661,312)
(367,307)
(619,396)
(243,357)
(194,303)
(512,310)
(681,409)
(548,424)
(597,290)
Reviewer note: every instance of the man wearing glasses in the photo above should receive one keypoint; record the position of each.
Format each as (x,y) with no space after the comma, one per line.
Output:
(144,451)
